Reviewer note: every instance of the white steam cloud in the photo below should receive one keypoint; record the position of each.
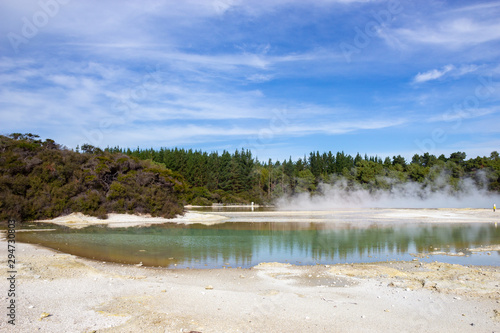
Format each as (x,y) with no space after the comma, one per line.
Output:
(430,194)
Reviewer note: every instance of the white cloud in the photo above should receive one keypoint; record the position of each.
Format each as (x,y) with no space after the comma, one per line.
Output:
(436,25)
(181,134)
(457,33)
(465,69)
(478,7)
(448,70)
(257,7)
(342,127)
(260,77)
(432,74)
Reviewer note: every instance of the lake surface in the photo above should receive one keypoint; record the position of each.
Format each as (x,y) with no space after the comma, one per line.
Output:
(246,244)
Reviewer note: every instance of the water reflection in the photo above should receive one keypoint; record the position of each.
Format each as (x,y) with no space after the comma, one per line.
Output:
(247,244)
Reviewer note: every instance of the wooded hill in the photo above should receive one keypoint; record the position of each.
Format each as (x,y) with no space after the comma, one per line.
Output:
(42,179)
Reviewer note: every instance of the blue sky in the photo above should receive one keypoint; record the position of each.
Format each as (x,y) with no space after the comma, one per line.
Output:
(280,77)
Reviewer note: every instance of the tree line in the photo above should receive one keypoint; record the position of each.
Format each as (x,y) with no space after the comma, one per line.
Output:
(240,178)
(42,179)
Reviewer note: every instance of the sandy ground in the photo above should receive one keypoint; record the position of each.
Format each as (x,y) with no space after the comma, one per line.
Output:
(366,216)
(57,292)
(354,217)
(79,220)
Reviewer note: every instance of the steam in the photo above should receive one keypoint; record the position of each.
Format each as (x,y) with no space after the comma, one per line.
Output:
(436,193)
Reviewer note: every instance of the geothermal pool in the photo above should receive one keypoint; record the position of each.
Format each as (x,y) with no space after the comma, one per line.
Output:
(246,240)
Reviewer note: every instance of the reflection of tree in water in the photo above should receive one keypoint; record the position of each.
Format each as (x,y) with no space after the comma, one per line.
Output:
(451,238)
(246,244)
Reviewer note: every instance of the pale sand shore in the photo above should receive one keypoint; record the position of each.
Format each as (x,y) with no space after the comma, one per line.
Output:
(349,216)
(79,220)
(369,215)
(57,292)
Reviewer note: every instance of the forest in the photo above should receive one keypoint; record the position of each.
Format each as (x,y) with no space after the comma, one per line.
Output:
(43,179)
(241,178)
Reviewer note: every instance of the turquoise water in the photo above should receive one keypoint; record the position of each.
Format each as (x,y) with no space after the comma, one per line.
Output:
(248,244)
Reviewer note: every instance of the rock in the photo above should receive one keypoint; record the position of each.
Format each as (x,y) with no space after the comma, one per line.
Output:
(428,284)
(209,287)
(45,315)
(396,284)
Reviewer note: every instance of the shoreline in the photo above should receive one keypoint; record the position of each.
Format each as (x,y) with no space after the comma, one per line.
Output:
(353,217)
(269,297)
(79,220)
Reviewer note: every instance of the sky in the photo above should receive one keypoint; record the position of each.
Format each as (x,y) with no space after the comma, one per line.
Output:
(279,77)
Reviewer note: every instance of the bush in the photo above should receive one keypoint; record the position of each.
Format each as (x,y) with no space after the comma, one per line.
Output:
(199,201)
